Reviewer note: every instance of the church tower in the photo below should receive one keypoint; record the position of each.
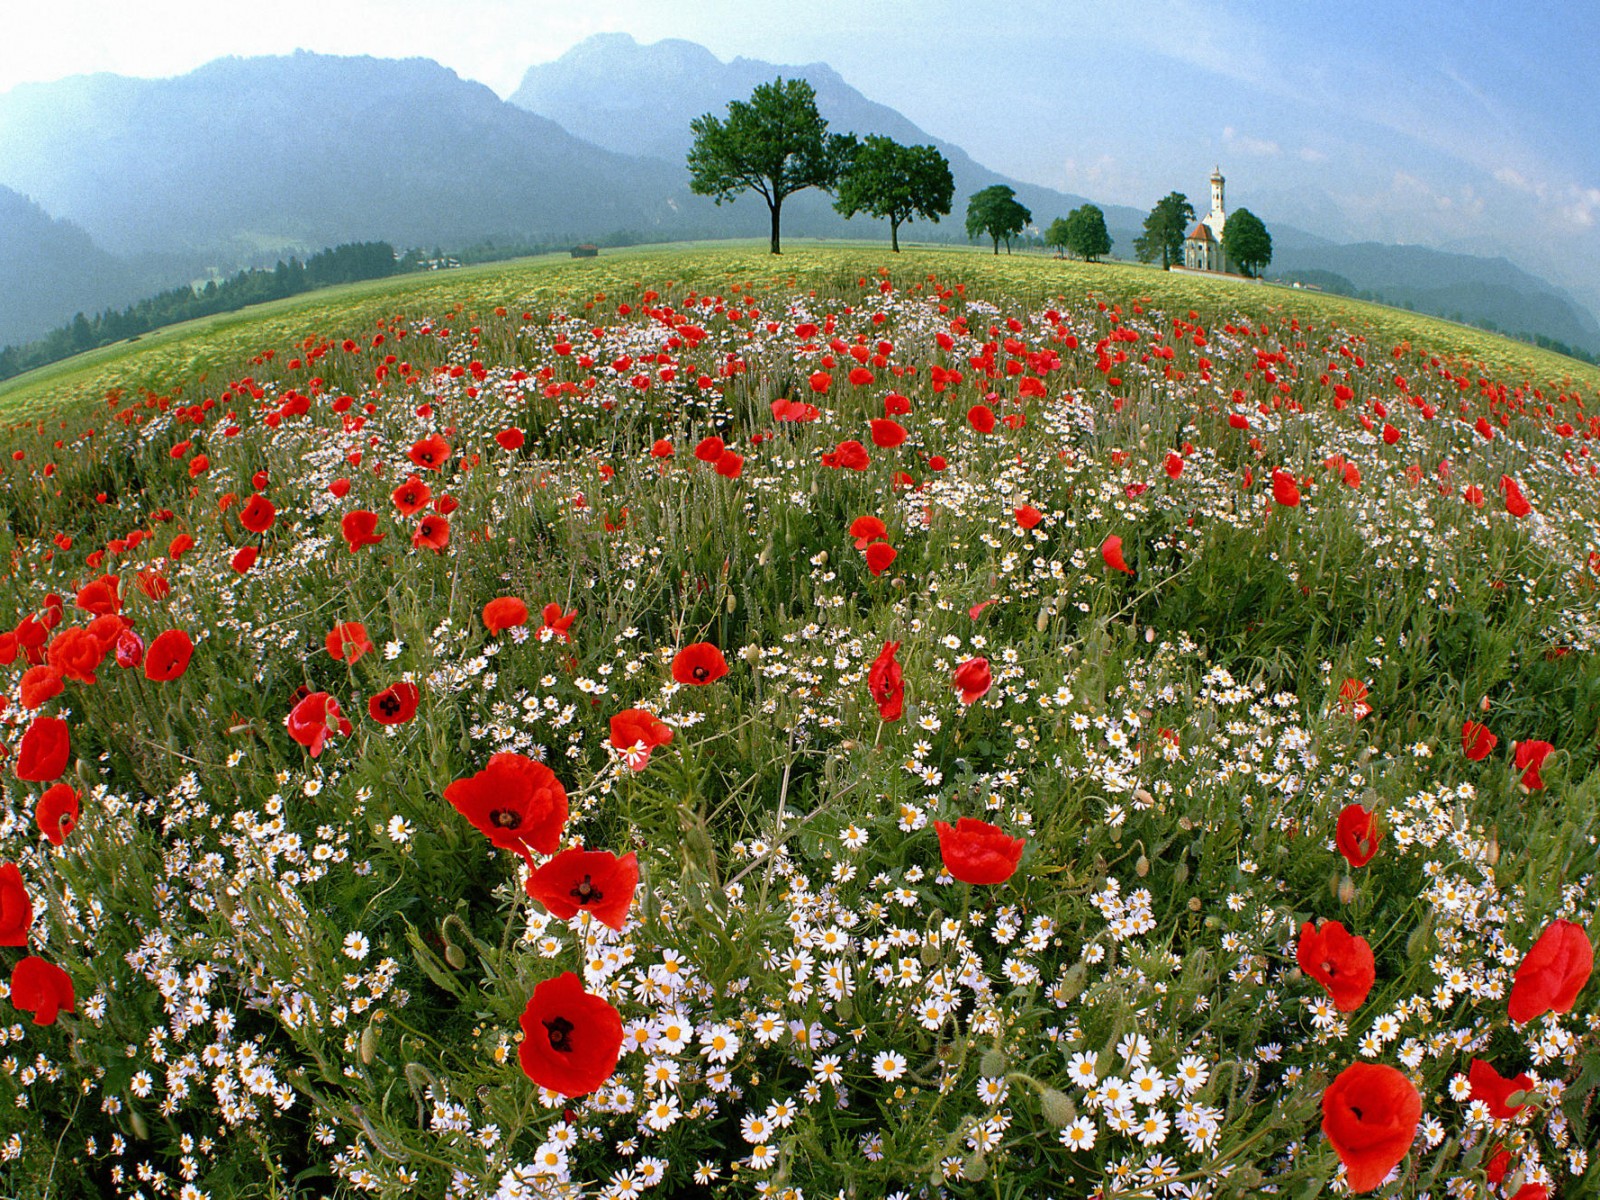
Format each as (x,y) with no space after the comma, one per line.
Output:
(1217,218)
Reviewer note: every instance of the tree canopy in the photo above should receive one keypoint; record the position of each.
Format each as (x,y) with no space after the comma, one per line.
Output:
(1164,230)
(997,212)
(1246,241)
(775,144)
(895,183)
(1086,234)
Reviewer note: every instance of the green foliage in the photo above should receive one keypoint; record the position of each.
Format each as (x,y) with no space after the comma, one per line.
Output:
(1246,242)
(1164,230)
(997,212)
(895,183)
(1086,234)
(774,144)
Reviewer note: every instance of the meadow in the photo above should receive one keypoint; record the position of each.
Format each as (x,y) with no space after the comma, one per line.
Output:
(847,724)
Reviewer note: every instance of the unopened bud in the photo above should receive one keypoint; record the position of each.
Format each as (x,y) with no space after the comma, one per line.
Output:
(455,955)
(1347,890)
(369,1044)
(993,1062)
(733,602)
(1141,866)
(974,1168)
(1072,981)
(751,654)
(137,1124)
(1057,1108)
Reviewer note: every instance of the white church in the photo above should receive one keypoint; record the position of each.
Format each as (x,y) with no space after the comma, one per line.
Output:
(1202,249)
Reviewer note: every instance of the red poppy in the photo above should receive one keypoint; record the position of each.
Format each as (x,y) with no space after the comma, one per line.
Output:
(76,653)
(360,529)
(1111,553)
(431,453)
(517,803)
(981,418)
(1530,757)
(348,641)
(972,679)
(887,434)
(1552,973)
(1477,743)
(879,557)
(571,1039)
(314,718)
(340,488)
(1340,961)
(886,683)
(1357,835)
(821,381)
(1495,1089)
(709,449)
(1353,698)
(179,546)
(867,530)
(595,881)
(978,852)
(860,376)
(661,448)
(1174,464)
(729,465)
(41,988)
(510,439)
(412,496)
(258,514)
(38,685)
(100,597)
(57,813)
(505,612)
(636,733)
(46,746)
(396,704)
(698,664)
(851,455)
(1284,489)
(245,558)
(433,533)
(1370,1114)
(168,656)
(1473,495)
(1027,516)
(130,649)
(1516,503)
(16,909)
(557,622)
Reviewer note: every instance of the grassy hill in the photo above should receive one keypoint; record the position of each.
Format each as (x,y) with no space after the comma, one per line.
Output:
(688,721)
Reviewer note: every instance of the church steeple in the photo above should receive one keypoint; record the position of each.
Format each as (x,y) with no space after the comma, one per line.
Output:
(1216,193)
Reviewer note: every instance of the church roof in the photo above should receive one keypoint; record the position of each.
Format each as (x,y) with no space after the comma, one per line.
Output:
(1200,233)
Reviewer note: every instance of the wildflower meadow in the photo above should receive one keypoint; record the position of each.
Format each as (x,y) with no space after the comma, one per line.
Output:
(858,726)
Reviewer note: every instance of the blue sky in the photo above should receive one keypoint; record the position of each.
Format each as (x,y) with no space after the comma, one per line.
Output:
(1468,125)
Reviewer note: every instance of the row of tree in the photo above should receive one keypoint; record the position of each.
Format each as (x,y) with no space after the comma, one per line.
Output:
(340,264)
(777,143)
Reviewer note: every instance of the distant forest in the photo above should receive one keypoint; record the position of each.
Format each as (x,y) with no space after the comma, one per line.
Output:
(342,264)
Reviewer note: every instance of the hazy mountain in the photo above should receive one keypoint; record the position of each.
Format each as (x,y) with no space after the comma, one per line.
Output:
(1460,286)
(306,151)
(639,100)
(51,270)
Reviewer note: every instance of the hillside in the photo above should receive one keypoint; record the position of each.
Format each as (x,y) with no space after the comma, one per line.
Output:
(50,270)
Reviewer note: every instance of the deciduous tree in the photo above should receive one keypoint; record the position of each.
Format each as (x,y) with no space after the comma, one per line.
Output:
(895,183)
(1164,229)
(997,212)
(1246,241)
(1086,232)
(775,144)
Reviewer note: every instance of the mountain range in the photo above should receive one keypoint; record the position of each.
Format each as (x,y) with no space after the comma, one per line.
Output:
(114,187)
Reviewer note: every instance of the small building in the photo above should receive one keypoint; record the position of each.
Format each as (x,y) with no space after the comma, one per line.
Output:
(587,250)
(1202,249)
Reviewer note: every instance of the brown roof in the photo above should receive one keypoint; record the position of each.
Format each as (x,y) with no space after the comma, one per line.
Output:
(1200,233)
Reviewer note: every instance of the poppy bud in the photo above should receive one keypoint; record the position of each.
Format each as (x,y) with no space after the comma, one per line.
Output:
(974,1168)
(369,1045)
(455,955)
(1347,890)
(993,1062)
(137,1125)
(1057,1108)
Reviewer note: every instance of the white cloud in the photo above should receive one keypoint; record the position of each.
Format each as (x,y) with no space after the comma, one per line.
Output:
(1245,144)
(1311,154)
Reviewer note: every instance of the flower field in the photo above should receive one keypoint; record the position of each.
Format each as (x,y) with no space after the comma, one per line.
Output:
(914,729)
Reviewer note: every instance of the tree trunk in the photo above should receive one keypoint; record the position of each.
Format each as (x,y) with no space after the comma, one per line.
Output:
(776,207)
(997,247)
(894,235)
